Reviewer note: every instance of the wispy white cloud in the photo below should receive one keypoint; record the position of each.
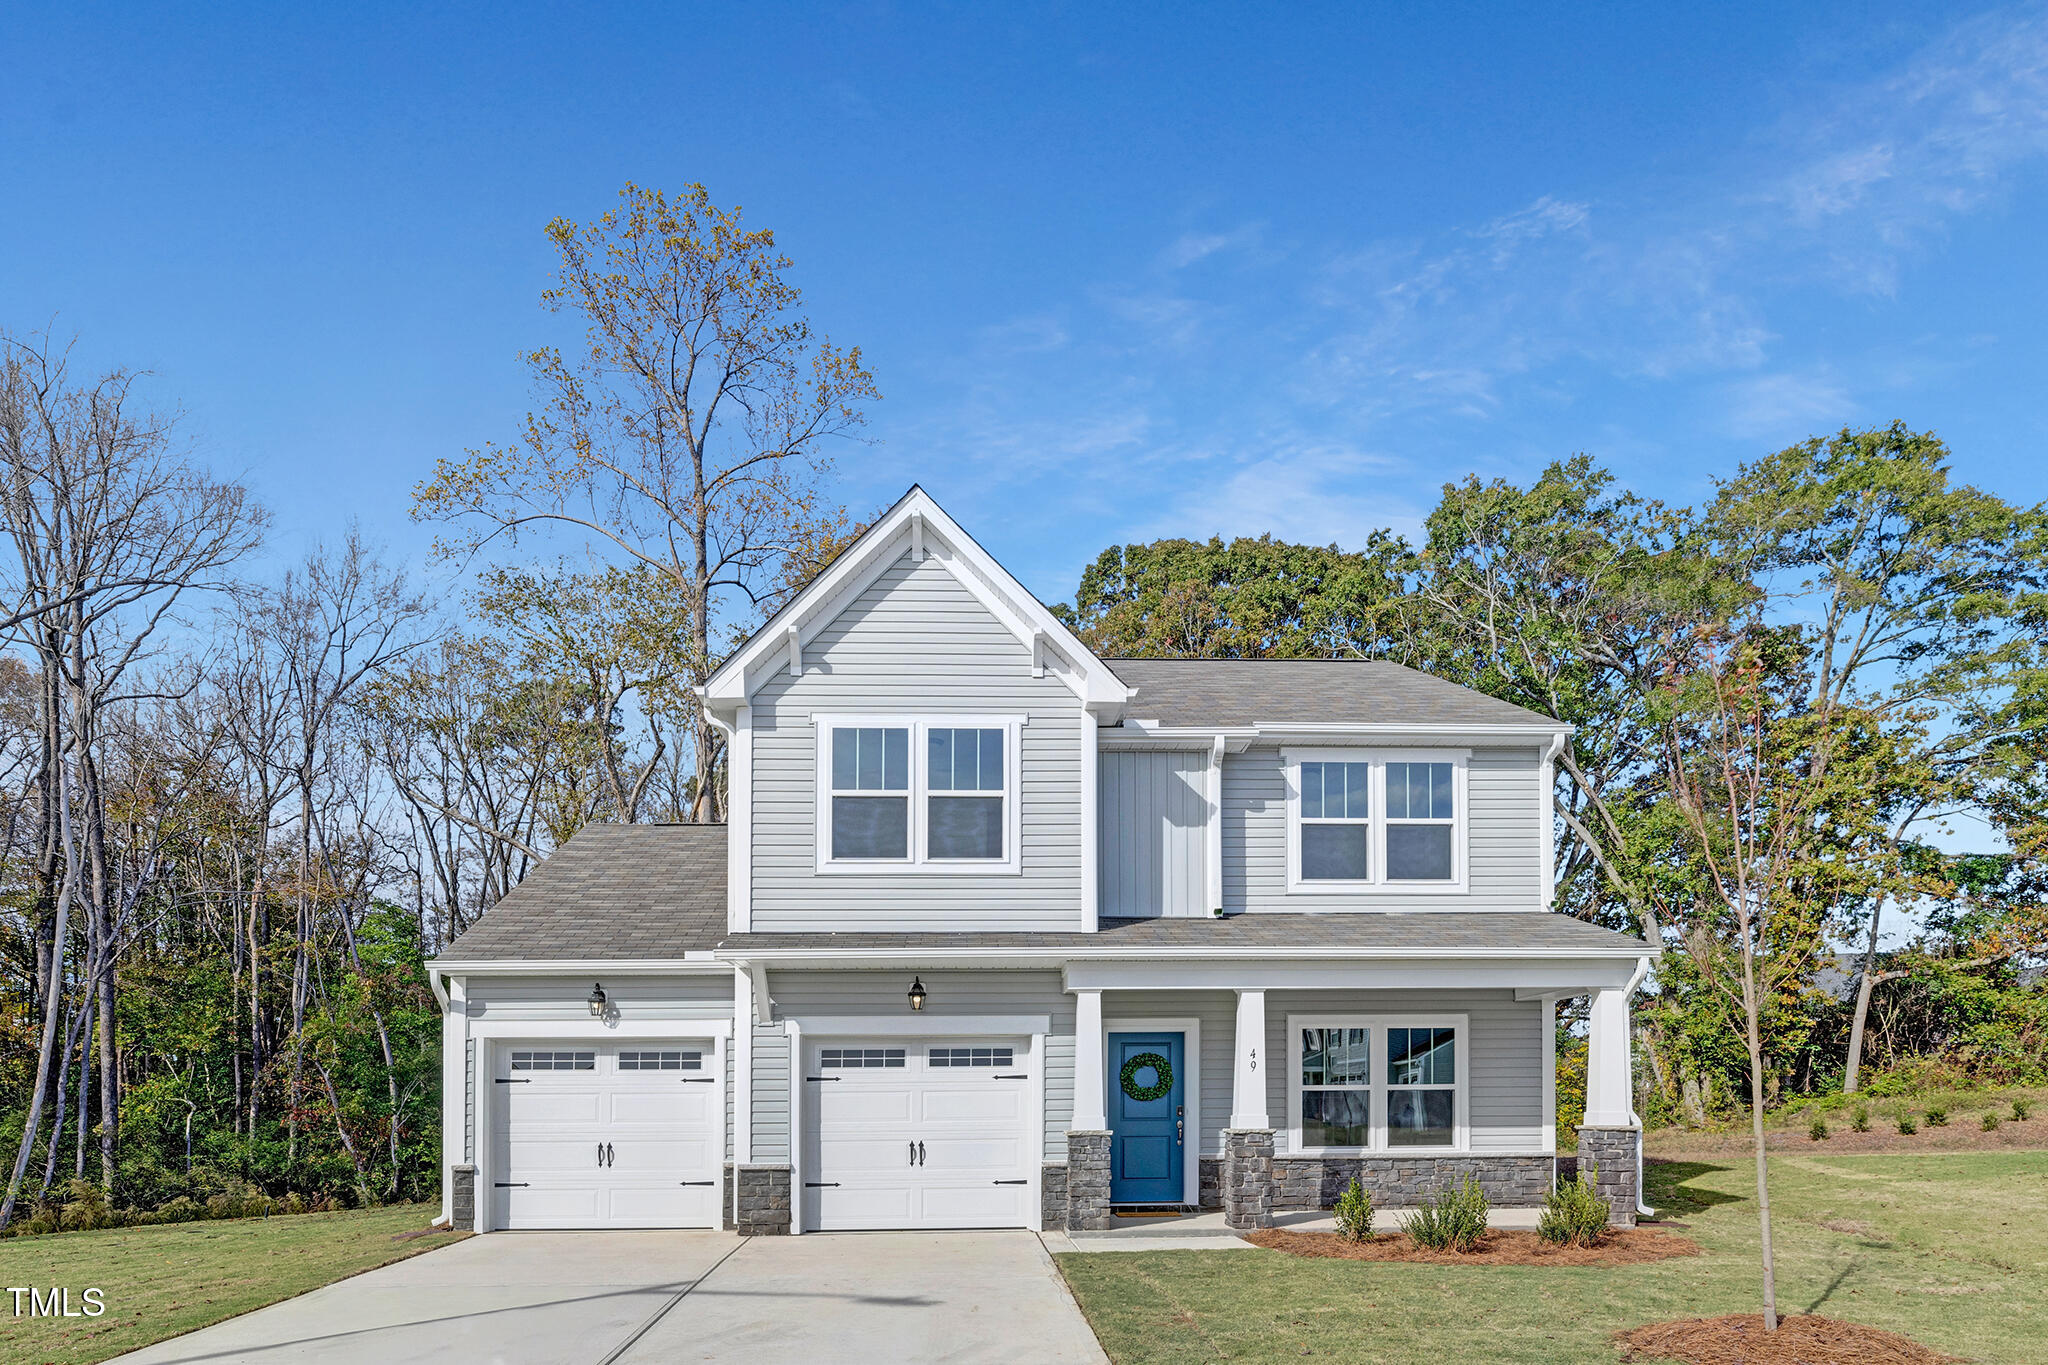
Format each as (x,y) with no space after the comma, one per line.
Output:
(1190,247)
(1783,408)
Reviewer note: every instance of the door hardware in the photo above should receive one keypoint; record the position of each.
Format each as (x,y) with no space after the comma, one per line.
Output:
(821,1078)
(696,1182)
(1012,1076)
(1009,1182)
(913,1154)
(610,1154)
(920,1154)
(600,1154)
(514,1080)
(820,1184)
(707,1080)
(510,1184)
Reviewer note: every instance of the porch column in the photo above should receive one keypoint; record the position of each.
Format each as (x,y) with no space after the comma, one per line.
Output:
(1609,1140)
(1248,1143)
(1088,1139)
(1090,1095)
(1248,1087)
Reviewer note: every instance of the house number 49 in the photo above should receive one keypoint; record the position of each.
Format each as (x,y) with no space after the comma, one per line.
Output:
(1255,1059)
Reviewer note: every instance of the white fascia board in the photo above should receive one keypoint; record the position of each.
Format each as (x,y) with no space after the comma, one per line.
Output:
(915,518)
(1310,731)
(1074,957)
(694,964)
(1343,974)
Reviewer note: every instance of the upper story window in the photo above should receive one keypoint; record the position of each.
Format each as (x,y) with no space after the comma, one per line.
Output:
(911,794)
(1375,821)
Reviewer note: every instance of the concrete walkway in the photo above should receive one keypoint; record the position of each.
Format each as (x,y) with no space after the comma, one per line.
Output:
(632,1298)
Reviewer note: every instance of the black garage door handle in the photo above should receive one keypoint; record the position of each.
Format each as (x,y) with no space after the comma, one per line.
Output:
(510,1184)
(696,1182)
(1009,1182)
(821,1184)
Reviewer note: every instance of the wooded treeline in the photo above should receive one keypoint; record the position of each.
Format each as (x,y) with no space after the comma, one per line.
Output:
(1810,711)
(240,805)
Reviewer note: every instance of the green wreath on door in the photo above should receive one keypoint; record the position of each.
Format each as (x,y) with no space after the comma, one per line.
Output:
(1162,1072)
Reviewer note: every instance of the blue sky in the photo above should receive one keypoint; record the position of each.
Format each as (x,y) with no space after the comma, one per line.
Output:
(1169,270)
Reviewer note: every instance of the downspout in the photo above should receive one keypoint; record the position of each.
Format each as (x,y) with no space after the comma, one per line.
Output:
(1643,1210)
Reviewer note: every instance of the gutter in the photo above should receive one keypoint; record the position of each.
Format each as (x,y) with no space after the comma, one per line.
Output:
(1147,953)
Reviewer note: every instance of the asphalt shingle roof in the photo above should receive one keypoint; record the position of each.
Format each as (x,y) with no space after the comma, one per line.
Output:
(612,891)
(1453,931)
(1244,692)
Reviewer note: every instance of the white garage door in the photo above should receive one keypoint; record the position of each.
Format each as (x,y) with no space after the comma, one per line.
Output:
(919,1134)
(607,1135)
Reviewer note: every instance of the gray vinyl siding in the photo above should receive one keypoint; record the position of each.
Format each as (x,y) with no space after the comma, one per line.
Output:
(1216,1012)
(1505,1103)
(469,1099)
(543,1000)
(771,1094)
(916,643)
(1153,809)
(1505,851)
(954,994)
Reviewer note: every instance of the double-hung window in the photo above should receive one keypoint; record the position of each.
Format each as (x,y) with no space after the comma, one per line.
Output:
(1361,820)
(1375,1083)
(919,795)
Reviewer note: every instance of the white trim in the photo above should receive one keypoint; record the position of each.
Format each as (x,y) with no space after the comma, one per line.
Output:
(1090,834)
(739,824)
(1377,821)
(1546,820)
(1548,1043)
(697,965)
(455,1084)
(924,1025)
(1037,1108)
(919,859)
(742,1075)
(1213,828)
(599,1030)
(796,651)
(795,1032)
(1377,1084)
(1190,1030)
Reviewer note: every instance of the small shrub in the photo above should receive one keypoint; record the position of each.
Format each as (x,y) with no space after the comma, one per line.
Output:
(1454,1221)
(1937,1118)
(1906,1125)
(1819,1131)
(1574,1214)
(2020,1109)
(1354,1212)
(1990,1122)
(1861,1122)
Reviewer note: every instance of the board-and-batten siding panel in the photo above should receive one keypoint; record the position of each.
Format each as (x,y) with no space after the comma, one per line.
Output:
(1506,1051)
(916,643)
(1153,809)
(955,994)
(1504,849)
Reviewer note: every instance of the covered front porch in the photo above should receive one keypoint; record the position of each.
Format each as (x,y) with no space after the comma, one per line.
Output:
(1265,1086)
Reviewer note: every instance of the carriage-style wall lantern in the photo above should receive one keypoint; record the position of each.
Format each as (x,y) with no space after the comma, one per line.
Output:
(917,994)
(596,1000)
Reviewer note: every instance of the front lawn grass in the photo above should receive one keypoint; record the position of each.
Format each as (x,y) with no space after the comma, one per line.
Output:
(177,1277)
(1949,1249)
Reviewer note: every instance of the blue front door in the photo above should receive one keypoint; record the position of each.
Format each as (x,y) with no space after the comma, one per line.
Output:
(1148,1139)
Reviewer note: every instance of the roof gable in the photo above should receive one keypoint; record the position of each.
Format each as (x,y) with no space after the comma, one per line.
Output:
(916,524)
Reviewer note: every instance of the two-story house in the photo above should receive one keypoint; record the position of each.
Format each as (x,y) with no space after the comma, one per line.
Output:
(1004,934)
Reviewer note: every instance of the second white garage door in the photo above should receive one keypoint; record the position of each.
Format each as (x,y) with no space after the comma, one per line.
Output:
(903,1133)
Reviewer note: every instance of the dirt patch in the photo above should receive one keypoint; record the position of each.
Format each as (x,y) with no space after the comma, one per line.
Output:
(1740,1339)
(1963,1133)
(1625,1246)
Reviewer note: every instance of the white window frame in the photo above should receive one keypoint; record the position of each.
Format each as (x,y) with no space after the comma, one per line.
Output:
(1377,1026)
(1378,883)
(920,860)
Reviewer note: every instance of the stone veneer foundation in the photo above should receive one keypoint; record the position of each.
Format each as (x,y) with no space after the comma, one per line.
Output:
(1613,1151)
(764,1201)
(1087,1181)
(1314,1182)
(1248,1177)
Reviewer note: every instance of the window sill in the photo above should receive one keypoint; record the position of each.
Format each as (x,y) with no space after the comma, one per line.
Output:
(1322,888)
(958,869)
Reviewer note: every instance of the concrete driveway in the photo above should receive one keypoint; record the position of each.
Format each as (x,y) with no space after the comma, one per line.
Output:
(633,1298)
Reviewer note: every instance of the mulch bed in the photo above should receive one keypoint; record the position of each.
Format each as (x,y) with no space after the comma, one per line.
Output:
(1740,1339)
(1963,1133)
(1625,1246)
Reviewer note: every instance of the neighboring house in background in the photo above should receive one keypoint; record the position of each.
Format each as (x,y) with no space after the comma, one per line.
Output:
(1003,934)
